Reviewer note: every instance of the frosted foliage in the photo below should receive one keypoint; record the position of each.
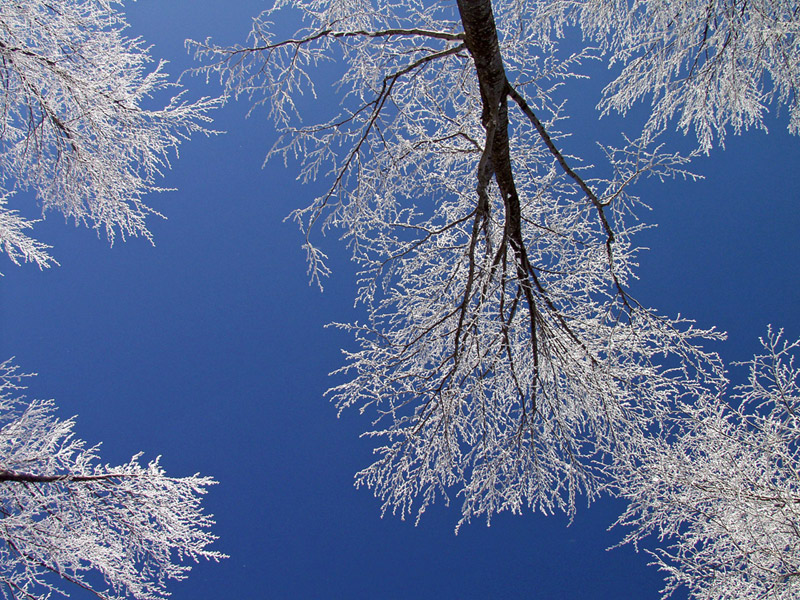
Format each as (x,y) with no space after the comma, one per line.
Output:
(710,64)
(503,361)
(724,495)
(15,242)
(67,520)
(84,124)
(502,358)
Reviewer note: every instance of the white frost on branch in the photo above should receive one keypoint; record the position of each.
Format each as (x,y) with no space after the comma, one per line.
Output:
(67,520)
(721,488)
(85,124)
(16,243)
(708,65)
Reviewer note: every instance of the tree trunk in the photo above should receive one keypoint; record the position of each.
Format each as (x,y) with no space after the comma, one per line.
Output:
(484,47)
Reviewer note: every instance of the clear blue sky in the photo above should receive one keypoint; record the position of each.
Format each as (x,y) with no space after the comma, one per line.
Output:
(209,348)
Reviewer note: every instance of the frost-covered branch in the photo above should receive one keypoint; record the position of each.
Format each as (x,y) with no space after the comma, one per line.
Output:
(68,520)
(721,487)
(88,125)
(16,243)
(708,65)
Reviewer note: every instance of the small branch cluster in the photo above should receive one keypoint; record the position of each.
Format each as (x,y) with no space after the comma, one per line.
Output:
(78,130)
(721,488)
(710,66)
(66,519)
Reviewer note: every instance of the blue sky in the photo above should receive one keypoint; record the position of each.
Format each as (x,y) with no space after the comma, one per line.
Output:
(209,348)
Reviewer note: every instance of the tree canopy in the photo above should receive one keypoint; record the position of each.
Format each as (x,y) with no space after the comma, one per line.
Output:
(66,518)
(83,123)
(83,131)
(505,361)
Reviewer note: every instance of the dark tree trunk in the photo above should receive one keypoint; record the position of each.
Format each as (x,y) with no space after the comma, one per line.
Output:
(18,477)
(481,39)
